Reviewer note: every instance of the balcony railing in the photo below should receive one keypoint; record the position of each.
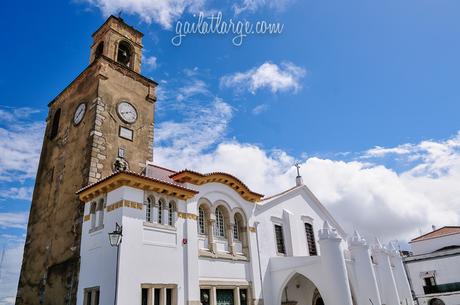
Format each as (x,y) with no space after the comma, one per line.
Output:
(450,287)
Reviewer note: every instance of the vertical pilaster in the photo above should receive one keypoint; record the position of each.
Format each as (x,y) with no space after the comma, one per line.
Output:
(213,295)
(191,276)
(231,246)
(211,241)
(367,289)
(402,283)
(333,266)
(388,290)
(236,296)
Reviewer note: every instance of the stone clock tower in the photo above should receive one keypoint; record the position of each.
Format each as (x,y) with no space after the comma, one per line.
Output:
(103,119)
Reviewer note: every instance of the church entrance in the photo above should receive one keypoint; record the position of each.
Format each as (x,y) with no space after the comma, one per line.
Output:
(301,291)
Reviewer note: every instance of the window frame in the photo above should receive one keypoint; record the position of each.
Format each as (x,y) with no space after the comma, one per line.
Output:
(219,230)
(202,221)
(283,241)
(92,292)
(311,239)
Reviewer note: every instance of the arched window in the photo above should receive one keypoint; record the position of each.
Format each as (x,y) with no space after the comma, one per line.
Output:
(55,124)
(161,206)
(237,227)
(149,209)
(201,221)
(92,212)
(124,53)
(100,211)
(99,49)
(219,229)
(171,212)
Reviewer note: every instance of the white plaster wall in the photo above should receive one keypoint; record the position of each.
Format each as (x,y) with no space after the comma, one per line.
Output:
(433,244)
(447,271)
(157,255)
(98,258)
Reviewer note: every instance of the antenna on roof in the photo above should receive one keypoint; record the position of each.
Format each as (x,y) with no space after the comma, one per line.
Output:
(119,14)
(298,179)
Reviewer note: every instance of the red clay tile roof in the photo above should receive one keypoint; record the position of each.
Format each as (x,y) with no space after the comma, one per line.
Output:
(173,183)
(448,230)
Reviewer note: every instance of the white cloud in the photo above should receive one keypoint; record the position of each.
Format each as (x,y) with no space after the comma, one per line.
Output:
(377,200)
(163,12)
(259,109)
(203,127)
(13,220)
(20,145)
(150,62)
(277,78)
(20,193)
(9,276)
(196,87)
(254,5)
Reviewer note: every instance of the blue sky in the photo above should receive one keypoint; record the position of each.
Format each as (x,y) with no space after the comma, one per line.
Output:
(363,93)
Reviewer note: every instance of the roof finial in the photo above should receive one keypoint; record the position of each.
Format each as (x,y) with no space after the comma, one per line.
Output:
(298,179)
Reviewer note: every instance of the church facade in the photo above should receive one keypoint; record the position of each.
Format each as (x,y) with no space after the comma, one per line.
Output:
(186,237)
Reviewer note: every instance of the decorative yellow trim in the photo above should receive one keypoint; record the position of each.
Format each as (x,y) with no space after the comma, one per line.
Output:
(124,203)
(86,217)
(130,179)
(227,179)
(187,216)
(252,229)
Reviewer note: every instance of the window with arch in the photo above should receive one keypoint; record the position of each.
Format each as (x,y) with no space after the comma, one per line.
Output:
(92,212)
(149,209)
(201,221)
(219,229)
(100,211)
(171,212)
(237,227)
(161,207)
(55,124)
(124,53)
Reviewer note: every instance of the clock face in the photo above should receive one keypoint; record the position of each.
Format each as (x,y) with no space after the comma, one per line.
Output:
(79,113)
(127,112)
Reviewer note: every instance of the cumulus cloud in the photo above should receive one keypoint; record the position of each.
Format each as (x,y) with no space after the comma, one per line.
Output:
(9,275)
(203,127)
(150,63)
(362,194)
(276,78)
(13,220)
(163,12)
(19,151)
(254,5)
(197,87)
(20,193)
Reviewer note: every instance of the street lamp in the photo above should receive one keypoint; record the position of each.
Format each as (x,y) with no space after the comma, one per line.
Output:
(115,241)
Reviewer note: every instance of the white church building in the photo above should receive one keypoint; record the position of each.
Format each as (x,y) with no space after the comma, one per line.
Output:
(191,238)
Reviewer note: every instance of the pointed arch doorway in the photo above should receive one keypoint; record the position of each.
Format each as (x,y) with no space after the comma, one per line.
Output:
(299,290)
